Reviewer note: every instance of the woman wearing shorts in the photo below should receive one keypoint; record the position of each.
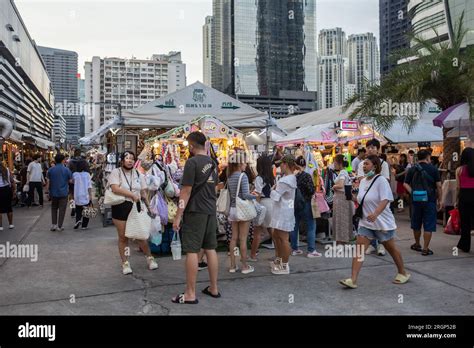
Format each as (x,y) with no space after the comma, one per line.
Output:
(128,182)
(377,222)
(240,229)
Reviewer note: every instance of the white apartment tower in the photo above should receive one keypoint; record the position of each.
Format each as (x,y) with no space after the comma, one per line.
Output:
(364,61)
(332,63)
(207,51)
(130,83)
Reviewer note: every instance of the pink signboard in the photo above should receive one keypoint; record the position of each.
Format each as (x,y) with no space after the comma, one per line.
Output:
(349,126)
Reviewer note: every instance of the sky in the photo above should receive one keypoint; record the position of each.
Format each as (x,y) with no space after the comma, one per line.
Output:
(141,28)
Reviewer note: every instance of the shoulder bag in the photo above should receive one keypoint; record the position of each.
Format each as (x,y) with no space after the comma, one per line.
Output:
(138,223)
(359,213)
(111,198)
(245,208)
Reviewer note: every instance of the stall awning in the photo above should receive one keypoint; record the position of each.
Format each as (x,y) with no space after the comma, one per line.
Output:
(195,101)
(424,131)
(16,136)
(331,115)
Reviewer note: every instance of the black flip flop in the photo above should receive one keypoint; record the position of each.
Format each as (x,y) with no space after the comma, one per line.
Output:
(178,297)
(416,247)
(208,293)
(427,252)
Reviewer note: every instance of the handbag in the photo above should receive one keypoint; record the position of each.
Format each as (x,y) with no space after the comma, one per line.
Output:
(138,223)
(245,208)
(176,247)
(359,213)
(319,199)
(315,208)
(26,188)
(223,202)
(172,209)
(261,212)
(111,198)
(159,207)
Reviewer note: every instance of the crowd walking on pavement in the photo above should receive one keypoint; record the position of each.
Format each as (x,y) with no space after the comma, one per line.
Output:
(274,202)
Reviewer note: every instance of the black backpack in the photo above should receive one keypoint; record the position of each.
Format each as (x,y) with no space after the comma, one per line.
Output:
(422,181)
(299,201)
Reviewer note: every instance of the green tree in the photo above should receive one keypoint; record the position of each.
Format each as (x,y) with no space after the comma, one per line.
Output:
(442,72)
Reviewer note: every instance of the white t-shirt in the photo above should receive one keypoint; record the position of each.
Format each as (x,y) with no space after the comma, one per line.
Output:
(343,175)
(259,185)
(7,182)
(355,164)
(82,184)
(385,170)
(379,191)
(35,172)
(136,180)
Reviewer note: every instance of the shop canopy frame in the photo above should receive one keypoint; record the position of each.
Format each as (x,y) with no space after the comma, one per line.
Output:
(200,122)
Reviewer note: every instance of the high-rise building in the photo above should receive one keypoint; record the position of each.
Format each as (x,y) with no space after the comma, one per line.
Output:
(331,81)
(130,83)
(364,61)
(454,10)
(332,42)
(426,16)
(26,97)
(332,64)
(394,24)
(62,69)
(207,51)
(264,47)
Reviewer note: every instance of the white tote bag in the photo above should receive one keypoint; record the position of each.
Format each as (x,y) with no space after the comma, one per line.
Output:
(138,223)
(111,198)
(223,202)
(245,208)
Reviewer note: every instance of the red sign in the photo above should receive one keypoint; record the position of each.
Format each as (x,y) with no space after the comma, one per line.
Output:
(349,126)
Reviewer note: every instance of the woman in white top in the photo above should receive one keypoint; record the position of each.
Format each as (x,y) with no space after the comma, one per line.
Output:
(342,207)
(127,181)
(7,191)
(283,215)
(82,193)
(377,222)
(263,187)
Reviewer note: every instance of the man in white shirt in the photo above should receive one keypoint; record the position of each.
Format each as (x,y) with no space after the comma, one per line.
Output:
(356,161)
(373,148)
(35,180)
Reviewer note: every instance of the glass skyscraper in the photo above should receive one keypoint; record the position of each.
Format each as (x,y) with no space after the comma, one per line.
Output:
(264,46)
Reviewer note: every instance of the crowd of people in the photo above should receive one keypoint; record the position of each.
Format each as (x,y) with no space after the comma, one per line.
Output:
(360,194)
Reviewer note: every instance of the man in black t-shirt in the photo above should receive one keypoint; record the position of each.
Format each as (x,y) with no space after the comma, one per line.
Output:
(197,207)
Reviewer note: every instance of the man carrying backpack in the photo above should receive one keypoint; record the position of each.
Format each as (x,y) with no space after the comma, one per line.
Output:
(304,192)
(423,182)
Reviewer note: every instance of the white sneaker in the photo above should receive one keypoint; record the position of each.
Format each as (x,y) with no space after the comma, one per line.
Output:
(53,228)
(60,229)
(381,250)
(250,269)
(11,227)
(1,228)
(370,250)
(126,269)
(152,265)
(314,254)
(296,252)
(283,268)
(274,265)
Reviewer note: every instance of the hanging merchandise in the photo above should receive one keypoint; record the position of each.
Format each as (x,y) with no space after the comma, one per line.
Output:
(311,164)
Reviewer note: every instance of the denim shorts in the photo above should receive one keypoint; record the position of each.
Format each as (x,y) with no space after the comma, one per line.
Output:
(381,236)
(424,213)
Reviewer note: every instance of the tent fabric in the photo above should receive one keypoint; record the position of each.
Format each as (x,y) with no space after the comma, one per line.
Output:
(194,101)
(455,116)
(424,131)
(97,134)
(331,115)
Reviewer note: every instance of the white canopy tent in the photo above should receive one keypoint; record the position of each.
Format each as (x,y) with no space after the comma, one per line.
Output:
(194,101)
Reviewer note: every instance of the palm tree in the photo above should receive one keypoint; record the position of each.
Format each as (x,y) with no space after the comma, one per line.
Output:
(432,70)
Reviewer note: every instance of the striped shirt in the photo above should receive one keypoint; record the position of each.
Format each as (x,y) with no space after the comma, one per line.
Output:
(232,184)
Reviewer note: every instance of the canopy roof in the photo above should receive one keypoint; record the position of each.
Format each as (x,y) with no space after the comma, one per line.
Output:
(194,101)
(455,116)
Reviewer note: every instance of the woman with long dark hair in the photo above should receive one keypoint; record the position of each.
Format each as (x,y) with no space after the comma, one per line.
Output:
(7,191)
(342,207)
(401,171)
(128,182)
(465,195)
(263,187)
(240,229)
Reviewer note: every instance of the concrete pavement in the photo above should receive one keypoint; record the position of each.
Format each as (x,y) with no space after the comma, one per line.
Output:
(78,273)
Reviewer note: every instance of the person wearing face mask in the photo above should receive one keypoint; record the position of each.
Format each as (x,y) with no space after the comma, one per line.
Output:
(377,221)
(128,182)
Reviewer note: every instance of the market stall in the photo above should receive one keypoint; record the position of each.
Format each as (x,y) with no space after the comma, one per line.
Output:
(172,145)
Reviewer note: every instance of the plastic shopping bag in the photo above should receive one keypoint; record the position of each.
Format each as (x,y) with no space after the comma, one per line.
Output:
(453,225)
